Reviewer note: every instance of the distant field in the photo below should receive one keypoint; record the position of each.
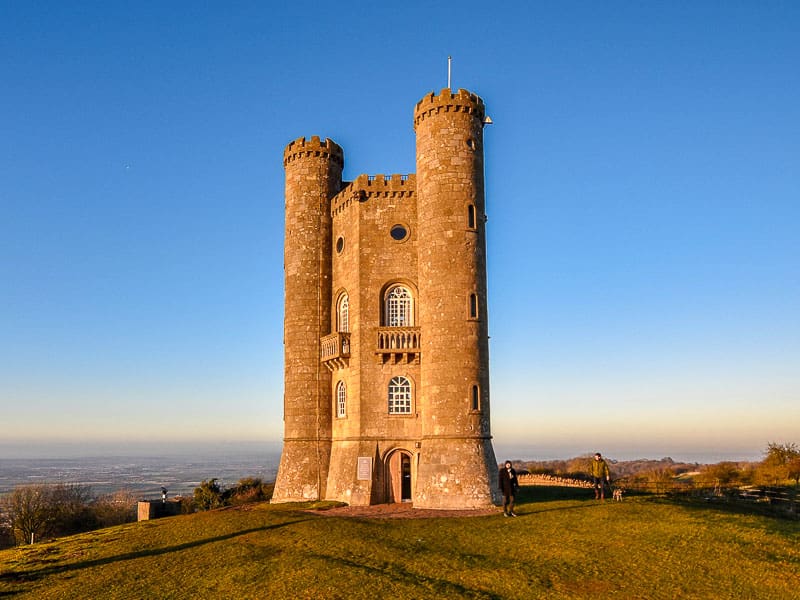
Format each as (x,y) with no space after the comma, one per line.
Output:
(140,475)
(563,545)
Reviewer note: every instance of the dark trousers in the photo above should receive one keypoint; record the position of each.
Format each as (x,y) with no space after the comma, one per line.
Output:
(508,503)
(599,487)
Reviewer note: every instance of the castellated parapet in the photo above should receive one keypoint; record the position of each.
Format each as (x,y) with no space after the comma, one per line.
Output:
(386,322)
(326,149)
(365,187)
(462,101)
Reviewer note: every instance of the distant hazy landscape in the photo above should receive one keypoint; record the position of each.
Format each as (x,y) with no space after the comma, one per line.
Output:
(143,471)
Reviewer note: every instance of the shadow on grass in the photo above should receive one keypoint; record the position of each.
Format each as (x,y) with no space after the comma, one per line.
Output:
(773,521)
(534,496)
(33,575)
(396,572)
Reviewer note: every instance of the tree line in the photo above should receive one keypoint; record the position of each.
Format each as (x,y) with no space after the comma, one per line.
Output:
(30,513)
(779,467)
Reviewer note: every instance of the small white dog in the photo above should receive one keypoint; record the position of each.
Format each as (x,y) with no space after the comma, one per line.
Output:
(618,494)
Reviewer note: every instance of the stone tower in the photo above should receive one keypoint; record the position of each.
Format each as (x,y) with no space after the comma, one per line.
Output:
(313,176)
(386,333)
(457,462)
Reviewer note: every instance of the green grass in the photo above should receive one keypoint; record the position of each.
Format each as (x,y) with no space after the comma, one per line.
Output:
(563,545)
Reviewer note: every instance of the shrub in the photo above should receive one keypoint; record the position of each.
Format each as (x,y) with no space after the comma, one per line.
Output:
(209,495)
(251,489)
(6,537)
(722,473)
(114,509)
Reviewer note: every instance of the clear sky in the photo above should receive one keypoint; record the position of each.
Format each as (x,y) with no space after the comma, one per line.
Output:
(643,192)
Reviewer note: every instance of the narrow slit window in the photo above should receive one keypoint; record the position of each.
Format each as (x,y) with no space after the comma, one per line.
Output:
(473,306)
(471,220)
(476,398)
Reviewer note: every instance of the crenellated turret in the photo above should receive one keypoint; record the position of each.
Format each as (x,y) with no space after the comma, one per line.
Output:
(457,464)
(327,150)
(313,176)
(463,101)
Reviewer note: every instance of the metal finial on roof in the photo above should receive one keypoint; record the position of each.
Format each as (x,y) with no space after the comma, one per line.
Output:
(449,60)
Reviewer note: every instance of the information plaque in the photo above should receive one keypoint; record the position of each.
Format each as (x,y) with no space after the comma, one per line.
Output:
(364,468)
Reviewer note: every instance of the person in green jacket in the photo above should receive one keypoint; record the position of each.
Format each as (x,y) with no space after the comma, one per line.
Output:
(600,476)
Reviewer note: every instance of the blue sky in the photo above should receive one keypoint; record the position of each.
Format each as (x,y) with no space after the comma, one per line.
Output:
(643,192)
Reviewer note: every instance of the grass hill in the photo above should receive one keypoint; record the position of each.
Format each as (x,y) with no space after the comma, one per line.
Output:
(563,545)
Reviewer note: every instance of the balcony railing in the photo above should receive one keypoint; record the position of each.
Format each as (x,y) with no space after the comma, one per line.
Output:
(399,344)
(335,350)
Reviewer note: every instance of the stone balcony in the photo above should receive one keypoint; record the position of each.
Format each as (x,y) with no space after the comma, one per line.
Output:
(399,344)
(335,350)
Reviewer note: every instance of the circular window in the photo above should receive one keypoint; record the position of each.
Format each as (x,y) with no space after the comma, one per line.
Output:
(340,244)
(399,232)
(472,144)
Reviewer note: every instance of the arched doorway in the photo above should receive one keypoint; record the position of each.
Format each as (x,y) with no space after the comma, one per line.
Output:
(398,466)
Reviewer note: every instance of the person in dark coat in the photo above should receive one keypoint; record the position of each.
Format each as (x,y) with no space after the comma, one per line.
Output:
(508,484)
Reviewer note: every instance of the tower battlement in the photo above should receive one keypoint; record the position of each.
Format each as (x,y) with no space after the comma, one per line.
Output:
(384,183)
(447,101)
(301,147)
(364,187)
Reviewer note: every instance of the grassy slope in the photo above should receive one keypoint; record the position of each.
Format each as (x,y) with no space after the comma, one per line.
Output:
(561,546)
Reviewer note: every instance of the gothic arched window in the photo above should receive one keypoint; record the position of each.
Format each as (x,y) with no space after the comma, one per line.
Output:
(343,314)
(341,400)
(399,307)
(399,396)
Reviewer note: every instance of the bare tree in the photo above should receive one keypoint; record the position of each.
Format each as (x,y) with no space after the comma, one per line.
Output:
(69,503)
(28,512)
(115,509)
(35,511)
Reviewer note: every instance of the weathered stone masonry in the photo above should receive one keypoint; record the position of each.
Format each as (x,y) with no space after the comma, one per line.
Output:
(386,327)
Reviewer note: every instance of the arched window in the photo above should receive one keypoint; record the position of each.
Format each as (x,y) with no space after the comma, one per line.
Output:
(343,314)
(341,400)
(475,400)
(399,396)
(399,307)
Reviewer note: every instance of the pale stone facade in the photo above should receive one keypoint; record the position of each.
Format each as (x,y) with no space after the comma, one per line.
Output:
(385,333)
